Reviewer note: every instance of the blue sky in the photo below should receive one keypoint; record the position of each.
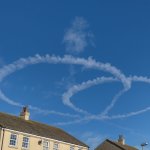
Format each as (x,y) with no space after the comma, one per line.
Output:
(115,32)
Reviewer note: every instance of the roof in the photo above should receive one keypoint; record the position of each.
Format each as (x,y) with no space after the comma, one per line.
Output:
(112,145)
(28,126)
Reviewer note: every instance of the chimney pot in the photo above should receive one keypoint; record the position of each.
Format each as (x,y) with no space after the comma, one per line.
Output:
(121,140)
(25,114)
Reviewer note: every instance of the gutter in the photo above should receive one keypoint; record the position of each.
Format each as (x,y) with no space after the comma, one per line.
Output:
(2,143)
(54,140)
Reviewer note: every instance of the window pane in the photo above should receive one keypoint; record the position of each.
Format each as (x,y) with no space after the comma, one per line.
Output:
(45,145)
(71,148)
(13,140)
(25,139)
(25,142)
(55,146)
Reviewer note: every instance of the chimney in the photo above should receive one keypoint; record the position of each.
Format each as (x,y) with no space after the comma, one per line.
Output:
(25,114)
(121,140)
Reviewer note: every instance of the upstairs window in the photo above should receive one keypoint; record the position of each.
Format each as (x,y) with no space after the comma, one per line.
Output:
(25,142)
(13,140)
(45,145)
(56,146)
(71,148)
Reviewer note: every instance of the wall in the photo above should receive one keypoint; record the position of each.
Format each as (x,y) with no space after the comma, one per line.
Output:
(0,137)
(33,142)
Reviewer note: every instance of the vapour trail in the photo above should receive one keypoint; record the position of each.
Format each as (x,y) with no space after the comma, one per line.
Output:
(77,88)
(84,85)
(135,79)
(87,63)
(130,114)
(139,79)
(103,115)
(113,102)
(9,101)
(67,59)
(4,98)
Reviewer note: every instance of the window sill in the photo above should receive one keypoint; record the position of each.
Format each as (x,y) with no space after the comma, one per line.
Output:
(11,146)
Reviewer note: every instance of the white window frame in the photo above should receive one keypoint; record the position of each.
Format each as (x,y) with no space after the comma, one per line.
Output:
(15,140)
(72,148)
(46,147)
(54,146)
(26,142)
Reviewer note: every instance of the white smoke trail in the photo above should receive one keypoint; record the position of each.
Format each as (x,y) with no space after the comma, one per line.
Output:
(113,102)
(84,85)
(84,119)
(38,110)
(9,101)
(103,115)
(132,79)
(67,59)
(43,111)
(87,63)
(139,79)
(130,114)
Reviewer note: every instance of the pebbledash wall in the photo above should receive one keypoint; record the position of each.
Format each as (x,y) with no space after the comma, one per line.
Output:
(16,140)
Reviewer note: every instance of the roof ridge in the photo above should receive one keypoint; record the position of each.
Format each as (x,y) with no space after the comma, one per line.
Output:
(112,142)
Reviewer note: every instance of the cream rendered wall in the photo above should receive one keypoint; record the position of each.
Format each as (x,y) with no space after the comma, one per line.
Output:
(0,136)
(33,145)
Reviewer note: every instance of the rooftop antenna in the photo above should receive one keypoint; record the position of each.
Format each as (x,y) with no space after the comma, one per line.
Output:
(144,144)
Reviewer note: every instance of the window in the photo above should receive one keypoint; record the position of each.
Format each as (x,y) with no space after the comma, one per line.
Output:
(13,140)
(56,146)
(45,145)
(71,148)
(25,142)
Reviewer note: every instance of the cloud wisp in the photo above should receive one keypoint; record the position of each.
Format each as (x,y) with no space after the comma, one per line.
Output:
(117,76)
(77,36)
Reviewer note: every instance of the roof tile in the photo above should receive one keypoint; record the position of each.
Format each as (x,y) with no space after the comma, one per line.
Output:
(36,128)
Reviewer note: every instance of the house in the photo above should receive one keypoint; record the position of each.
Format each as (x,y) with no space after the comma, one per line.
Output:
(21,133)
(115,145)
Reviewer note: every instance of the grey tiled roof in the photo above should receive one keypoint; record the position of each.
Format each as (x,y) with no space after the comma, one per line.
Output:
(36,128)
(112,145)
